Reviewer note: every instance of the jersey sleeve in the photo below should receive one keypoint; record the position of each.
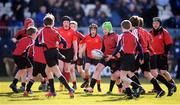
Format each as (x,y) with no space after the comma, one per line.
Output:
(167,38)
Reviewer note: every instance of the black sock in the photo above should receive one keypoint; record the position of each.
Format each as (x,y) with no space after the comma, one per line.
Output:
(163,80)
(23,84)
(135,79)
(29,85)
(119,85)
(155,84)
(128,91)
(134,85)
(64,82)
(51,84)
(112,82)
(15,81)
(93,82)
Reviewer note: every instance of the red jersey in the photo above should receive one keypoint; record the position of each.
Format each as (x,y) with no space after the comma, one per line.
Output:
(23,45)
(68,35)
(91,44)
(39,54)
(109,43)
(79,36)
(160,40)
(128,43)
(49,36)
(21,33)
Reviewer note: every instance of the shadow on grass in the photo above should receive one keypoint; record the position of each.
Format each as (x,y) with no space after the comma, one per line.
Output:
(121,98)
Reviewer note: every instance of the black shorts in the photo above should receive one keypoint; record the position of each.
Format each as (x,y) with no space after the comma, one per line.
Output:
(146,65)
(22,62)
(68,53)
(127,62)
(113,64)
(39,68)
(78,62)
(159,62)
(91,61)
(51,56)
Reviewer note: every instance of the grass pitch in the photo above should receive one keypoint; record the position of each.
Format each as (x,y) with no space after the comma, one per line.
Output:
(7,97)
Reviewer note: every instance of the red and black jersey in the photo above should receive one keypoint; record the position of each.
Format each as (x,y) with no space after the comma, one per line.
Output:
(91,44)
(160,40)
(49,36)
(23,46)
(79,36)
(21,33)
(109,43)
(38,55)
(128,43)
(68,35)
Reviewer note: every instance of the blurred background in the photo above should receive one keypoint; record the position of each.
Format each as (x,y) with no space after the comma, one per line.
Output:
(85,12)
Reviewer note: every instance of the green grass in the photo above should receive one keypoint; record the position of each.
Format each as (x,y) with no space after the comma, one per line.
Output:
(81,98)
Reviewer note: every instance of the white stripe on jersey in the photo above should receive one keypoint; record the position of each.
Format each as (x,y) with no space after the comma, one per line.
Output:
(135,33)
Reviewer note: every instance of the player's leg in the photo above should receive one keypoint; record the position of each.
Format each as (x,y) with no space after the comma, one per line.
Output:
(87,75)
(73,76)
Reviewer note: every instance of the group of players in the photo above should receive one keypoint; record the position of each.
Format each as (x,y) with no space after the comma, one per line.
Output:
(52,51)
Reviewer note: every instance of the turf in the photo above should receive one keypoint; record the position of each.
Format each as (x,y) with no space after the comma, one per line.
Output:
(7,97)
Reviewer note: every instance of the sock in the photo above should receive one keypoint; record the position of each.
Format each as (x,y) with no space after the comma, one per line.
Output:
(23,84)
(43,82)
(74,82)
(112,82)
(119,85)
(155,84)
(67,76)
(135,79)
(93,82)
(29,85)
(98,83)
(51,84)
(64,82)
(134,85)
(15,81)
(128,91)
(163,80)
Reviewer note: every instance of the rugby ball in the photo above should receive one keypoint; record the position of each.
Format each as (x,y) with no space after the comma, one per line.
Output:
(97,54)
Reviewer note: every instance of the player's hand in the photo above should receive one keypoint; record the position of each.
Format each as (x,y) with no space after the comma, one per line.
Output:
(14,40)
(75,58)
(108,57)
(118,55)
(80,55)
(141,62)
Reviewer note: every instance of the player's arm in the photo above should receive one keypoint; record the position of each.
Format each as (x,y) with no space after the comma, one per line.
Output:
(139,49)
(63,41)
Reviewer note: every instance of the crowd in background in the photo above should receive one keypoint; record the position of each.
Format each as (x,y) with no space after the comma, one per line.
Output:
(13,12)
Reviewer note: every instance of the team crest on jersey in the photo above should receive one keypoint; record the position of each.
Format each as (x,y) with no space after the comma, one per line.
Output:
(160,36)
(68,33)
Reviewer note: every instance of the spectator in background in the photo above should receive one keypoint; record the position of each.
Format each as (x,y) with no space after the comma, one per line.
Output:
(165,13)
(102,17)
(78,13)
(149,10)
(91,18)
(55,7)
(40,15)
(13,22)
(3,26)
(175,5)
(68,7)
(18,9)
(130,10)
